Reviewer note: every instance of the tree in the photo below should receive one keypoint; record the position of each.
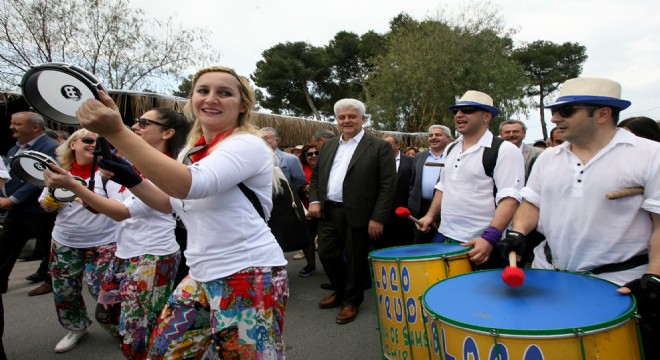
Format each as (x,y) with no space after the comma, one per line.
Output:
(547,65)
(429,63)
(351,57)
(184,88)
(107,38)
(293,75)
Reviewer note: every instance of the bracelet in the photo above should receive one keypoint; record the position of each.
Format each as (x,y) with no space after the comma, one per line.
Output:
(492,235)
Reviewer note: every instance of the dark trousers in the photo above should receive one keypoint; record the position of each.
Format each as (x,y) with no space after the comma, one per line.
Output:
(3,356)
(343,251)
(16,231)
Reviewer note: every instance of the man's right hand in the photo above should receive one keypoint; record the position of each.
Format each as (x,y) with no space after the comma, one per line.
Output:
(6,203)
(426,222)
(514,241)
(314,211)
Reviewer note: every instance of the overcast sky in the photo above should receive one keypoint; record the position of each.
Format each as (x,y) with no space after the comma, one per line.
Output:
(621,36)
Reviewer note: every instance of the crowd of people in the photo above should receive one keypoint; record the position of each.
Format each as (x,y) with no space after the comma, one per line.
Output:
(492,193)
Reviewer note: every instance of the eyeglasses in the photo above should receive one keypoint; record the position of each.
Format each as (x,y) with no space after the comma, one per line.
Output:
(465,110)
(143,122)
(568,111)
(87,140)
(312,153)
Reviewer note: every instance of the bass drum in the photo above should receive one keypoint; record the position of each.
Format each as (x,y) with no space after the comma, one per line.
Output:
(57,90)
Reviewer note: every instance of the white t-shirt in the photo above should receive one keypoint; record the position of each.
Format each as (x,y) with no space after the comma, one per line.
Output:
(225,232)
(584,229)
(78,227)
(468,206)
(146,232)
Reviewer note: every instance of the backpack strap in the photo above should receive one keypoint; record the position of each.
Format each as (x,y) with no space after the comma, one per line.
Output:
(252,197)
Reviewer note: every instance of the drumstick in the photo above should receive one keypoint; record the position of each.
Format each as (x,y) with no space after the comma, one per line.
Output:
(434,164)
(512,274)
(404,213)
(625,192)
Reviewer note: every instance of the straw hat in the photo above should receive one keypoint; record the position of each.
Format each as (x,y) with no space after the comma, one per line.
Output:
(596,91)
(476,99)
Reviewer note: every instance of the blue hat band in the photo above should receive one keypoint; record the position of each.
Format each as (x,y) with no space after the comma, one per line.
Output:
(594,100)
(481,106)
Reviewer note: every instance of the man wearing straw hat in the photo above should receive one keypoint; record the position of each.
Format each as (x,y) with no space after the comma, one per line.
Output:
(476,206)
(614,236)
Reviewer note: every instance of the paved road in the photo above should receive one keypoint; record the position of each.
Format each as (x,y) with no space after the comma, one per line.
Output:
(32,330)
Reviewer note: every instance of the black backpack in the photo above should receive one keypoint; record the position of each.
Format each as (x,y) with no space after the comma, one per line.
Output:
(287,219)
(489,159)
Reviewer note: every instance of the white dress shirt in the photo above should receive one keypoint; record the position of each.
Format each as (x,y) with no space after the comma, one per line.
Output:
(343,157)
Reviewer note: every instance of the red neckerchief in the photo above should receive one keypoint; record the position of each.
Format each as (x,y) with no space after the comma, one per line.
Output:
(204,150)
(84,171)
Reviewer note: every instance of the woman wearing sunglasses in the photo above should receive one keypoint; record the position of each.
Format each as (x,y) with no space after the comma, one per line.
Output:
(147,253)
(309,156)
(237,268)
(83,240)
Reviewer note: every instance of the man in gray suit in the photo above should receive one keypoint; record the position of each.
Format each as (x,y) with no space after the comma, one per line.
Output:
(425,177)
(352,194)
(514,131)
(290,164)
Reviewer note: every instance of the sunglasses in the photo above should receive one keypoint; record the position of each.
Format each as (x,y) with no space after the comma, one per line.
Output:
(568,111)
(143,122)
(87,140)
(465,110)
(312,153)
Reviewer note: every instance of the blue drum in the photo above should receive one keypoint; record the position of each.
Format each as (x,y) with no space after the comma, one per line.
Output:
(554,315)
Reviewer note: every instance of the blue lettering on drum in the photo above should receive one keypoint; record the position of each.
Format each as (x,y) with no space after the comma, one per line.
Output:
(470,348)
(498,352)
(411,306)
(444,346)
(533,352)
(394,281)
(383,276)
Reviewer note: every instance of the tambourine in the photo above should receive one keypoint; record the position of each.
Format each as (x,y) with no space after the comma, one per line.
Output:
(29,166)
(57,90)
(65,195)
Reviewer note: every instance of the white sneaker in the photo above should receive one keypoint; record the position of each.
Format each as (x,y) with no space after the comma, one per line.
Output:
(299,255)
(70,340)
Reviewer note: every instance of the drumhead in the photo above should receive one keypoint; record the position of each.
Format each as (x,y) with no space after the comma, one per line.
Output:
(550,303)
(30,165)
(65,195)
(57,90)
(419,252)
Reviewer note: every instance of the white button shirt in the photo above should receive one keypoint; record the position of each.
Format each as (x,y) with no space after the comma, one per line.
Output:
(343,157)
(584,229)
(468,206)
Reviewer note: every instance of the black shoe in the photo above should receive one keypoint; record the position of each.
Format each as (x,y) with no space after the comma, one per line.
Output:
(327,286)
(307,271)
(35,278)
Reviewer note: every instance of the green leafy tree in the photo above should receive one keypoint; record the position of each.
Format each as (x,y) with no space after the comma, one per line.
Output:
(429,63)
(547,65)
(351,57)
(184,88)
(293,76)
(117,43)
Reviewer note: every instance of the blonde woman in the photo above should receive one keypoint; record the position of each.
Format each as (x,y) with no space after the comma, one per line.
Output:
(237,269)
(83,241)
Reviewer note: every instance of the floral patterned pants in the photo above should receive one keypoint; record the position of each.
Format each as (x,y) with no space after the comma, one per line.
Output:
(132,296)
(246,313)
(67,267)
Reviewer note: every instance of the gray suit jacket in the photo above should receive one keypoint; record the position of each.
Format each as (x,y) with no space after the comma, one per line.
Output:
(530,154)
(370,182)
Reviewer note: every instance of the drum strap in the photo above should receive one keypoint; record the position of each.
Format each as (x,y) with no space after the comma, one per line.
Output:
(633,262)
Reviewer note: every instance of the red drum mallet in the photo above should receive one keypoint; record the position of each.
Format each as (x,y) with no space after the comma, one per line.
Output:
(512,274)
(404,213)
